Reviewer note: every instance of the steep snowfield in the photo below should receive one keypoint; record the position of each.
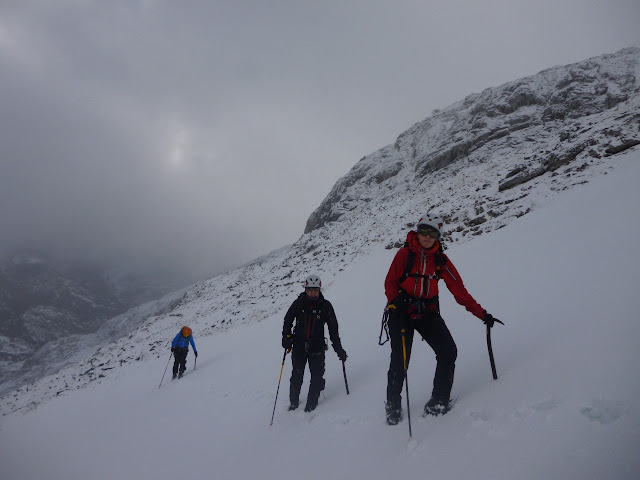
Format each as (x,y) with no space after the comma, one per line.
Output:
(564,279)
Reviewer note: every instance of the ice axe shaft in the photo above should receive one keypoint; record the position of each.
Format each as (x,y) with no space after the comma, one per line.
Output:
(493,363)
(344,372)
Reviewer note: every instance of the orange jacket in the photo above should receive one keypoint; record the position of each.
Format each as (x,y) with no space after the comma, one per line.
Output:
(427,287)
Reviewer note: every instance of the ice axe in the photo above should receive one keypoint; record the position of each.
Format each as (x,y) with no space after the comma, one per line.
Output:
(493,363)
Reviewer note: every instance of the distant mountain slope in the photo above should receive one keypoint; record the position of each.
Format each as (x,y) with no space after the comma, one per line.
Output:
(481,163)
(47,306)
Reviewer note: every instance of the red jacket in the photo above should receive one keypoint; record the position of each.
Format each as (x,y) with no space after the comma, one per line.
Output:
(424,264)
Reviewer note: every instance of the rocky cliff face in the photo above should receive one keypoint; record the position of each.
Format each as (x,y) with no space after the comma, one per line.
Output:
(561,116)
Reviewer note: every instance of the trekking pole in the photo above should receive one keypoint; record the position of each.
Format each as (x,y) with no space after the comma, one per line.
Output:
(165,370)
(195,363)
(493,363)
(344,372)
(278,390)
(406,381)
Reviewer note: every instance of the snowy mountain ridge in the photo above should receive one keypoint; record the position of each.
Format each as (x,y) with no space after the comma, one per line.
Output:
(520,130)
(481,163)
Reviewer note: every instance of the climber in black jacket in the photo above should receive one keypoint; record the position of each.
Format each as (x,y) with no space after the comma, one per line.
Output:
(310,311)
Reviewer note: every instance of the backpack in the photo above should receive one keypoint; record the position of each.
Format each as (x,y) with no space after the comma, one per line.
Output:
(440,261)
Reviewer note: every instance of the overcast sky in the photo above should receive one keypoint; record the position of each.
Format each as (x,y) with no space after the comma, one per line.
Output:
(197,135)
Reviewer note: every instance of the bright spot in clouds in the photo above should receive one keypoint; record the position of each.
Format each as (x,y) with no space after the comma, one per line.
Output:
(179,149)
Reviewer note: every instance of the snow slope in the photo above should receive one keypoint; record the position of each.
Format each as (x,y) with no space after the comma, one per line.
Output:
(563,278)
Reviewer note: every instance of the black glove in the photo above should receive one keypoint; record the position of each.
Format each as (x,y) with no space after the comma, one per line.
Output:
(287,342)
(173,349)
(489,319)
(342,355)
(399,301)
(196,354)
(396,302)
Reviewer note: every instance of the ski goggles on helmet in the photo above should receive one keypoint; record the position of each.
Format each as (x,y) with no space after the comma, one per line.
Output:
(428,232)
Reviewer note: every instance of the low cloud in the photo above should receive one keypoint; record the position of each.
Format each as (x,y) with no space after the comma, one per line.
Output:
(192,137)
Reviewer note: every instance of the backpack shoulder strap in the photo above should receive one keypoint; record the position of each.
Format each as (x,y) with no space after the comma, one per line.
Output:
(440,260)
(409,263)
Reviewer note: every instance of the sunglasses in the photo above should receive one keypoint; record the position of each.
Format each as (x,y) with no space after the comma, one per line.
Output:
(428,233)
(313,289)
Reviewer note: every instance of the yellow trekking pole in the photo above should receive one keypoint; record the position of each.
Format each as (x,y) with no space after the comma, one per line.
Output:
(278,390)
(406,380)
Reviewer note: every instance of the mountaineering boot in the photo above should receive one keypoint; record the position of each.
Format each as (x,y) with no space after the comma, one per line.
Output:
(294,398)
(394,413)
(180,374)
(312,402)
(437,406)
(174,376)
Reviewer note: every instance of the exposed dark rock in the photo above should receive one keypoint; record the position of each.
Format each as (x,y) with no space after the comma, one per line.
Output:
(516,171)
(442,159)
(622,147)
(476,221)
(520,179)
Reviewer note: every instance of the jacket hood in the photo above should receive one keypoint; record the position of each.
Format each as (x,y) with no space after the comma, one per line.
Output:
(414,244)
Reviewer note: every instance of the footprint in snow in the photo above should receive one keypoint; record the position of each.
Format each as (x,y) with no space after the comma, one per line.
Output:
(480,416)
(541,407)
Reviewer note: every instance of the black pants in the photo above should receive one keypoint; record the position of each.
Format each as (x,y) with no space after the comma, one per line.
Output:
(435,332)
(180,355)
(299,358)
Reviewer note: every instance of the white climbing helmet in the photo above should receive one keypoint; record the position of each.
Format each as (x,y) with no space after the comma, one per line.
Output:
(312,281)
(432,221)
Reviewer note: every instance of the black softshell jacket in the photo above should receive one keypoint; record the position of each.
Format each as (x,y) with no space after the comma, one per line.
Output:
(310,318)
